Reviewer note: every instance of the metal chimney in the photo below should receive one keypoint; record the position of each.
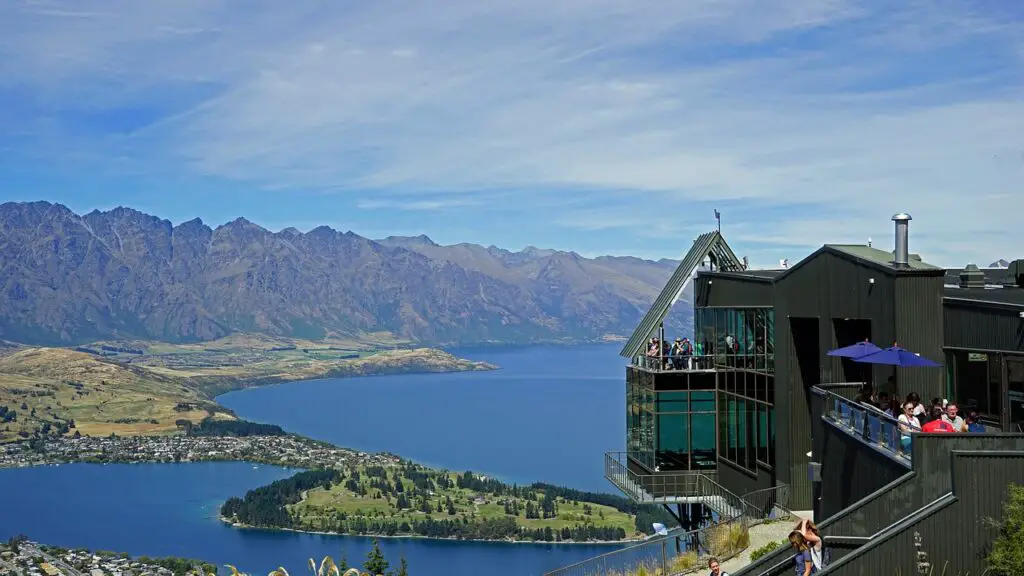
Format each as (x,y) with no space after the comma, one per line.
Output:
(901,256)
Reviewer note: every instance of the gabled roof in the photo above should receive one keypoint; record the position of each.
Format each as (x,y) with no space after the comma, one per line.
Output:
(879,259)
(709,244)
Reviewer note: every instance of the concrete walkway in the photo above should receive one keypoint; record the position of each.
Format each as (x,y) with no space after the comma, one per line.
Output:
(761,535)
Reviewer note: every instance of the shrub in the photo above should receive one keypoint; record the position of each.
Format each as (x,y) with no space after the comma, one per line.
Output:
(684,562)
(726,540)
(764,550)
(1007,555)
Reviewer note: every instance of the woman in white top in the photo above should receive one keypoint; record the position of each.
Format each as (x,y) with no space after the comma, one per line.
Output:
(908,423)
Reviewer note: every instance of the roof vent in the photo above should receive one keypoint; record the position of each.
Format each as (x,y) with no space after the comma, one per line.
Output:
(901,254)
(1016,272)
(972,277)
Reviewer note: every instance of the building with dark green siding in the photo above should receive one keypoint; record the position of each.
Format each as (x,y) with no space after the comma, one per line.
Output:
(764,407)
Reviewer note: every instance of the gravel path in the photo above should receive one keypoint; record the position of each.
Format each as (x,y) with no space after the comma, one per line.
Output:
(759,536)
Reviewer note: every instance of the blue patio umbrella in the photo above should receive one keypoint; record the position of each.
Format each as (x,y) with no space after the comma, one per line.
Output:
(897,356)
(858,350)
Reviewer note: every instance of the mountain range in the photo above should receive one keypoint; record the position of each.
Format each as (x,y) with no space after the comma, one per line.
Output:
(67,278)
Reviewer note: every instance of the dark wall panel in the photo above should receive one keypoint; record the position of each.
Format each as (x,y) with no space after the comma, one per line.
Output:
(919,328)
(741,482)
(732,292)
(851,471)
(982,327)
(824,287)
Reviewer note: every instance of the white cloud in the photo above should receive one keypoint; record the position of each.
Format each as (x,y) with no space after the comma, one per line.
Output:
(846,110)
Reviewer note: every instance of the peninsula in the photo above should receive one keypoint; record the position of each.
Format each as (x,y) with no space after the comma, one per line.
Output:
(344,491)
(146,388)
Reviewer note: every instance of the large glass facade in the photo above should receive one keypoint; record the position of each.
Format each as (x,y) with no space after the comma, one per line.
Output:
(670,429)
(685,425)
(746,418)
(640,417)
(736,337)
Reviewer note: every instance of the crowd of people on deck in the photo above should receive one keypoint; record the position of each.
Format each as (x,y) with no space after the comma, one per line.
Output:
(941,415)
(684,354)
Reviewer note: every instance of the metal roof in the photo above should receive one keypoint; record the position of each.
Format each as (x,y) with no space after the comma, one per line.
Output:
(767,274)
(993,276)
(881,257)
(708,244)
(1012,297)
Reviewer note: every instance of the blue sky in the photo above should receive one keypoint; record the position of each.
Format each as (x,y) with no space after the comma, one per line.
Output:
(601,126)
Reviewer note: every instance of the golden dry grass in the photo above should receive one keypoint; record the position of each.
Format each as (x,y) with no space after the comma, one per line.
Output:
(62,384)
(105,395)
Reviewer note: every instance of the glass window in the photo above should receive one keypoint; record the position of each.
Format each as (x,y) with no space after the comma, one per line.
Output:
(673,433)
(995,385)
(741,433)
(733,446)
(673,402)
(703,430)
(1015,381)
(770,332)
(751,433)
(771,436)
(702,401)
(762,433)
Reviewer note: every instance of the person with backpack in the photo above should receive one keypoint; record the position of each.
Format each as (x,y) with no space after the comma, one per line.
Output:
(815,543)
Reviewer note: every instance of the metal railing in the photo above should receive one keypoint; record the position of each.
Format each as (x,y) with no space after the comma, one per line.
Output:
(669,363)
(705,362)
(657,488)
(867,424)
(682,552)
(767,504)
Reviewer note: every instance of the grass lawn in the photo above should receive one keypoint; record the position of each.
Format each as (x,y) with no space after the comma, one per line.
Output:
(321,503)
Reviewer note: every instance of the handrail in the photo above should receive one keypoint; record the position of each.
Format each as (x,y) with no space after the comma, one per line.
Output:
(684,551)
(867,424)
(651,488)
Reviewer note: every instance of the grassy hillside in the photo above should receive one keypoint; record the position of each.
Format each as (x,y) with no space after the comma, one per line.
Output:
(135,387)
(55,386)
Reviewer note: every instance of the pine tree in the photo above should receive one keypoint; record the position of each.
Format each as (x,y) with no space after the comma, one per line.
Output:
(375,562)
(403,568)
(342,563)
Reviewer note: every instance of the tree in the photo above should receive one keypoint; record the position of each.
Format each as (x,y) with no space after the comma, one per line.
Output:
(403,568)
(343,563)
(1007,555)
(375,562)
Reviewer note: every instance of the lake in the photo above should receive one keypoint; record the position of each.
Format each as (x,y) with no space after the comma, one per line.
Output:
(547,415)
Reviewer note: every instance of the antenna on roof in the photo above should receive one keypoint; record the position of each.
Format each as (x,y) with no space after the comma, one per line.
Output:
(869,241)
(718,218)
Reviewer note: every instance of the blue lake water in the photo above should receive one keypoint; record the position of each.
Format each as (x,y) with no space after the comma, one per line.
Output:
(547,415)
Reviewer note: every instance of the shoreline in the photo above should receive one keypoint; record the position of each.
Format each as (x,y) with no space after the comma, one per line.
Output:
(241,526)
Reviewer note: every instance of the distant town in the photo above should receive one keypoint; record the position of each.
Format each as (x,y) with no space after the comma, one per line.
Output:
(22,557)
(286,451)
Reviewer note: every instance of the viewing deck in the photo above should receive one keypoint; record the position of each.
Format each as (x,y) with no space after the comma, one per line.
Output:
(689,487)
(703,363)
